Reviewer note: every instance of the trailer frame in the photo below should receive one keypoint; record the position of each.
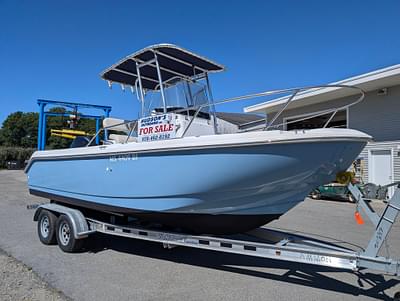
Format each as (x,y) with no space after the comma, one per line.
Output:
(261,242)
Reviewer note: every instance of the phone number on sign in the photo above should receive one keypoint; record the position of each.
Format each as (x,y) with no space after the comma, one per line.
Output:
(156,137)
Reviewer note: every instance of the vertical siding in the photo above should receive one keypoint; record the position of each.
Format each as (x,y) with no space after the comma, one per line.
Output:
(364,164)
(394,145)
(396,163)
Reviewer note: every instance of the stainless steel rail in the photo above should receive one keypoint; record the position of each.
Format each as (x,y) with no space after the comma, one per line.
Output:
(268,125)
(291,97)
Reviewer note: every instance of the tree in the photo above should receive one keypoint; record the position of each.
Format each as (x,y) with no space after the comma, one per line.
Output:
(1,137)
(20,129)
(56,122)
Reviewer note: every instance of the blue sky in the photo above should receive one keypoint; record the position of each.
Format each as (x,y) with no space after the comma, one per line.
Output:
(56,49)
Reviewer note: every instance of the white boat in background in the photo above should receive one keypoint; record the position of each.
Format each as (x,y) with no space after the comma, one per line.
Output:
(184,165)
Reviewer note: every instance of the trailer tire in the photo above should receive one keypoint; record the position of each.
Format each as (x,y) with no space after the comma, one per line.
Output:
(66,237)
(46,227)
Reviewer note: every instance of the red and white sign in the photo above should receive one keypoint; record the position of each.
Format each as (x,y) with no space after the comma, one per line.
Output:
(159,127)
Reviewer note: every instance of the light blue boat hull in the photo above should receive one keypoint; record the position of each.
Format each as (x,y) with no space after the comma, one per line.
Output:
(263,180)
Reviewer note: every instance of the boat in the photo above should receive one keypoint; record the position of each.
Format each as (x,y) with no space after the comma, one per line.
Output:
(184,165)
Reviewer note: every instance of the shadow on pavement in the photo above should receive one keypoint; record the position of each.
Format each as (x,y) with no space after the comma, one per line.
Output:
(295,273)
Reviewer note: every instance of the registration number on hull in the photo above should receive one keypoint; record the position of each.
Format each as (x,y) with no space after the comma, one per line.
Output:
(123,157)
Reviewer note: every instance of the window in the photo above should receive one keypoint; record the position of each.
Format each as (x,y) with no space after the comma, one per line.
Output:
(338,121)
(180,95)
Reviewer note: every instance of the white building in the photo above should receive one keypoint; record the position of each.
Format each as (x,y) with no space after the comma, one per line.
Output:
(378,115)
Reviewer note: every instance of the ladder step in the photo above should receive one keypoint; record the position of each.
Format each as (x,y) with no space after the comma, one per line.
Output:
(388,220)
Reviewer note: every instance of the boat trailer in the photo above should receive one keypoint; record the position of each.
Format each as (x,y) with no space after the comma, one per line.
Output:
(70,227)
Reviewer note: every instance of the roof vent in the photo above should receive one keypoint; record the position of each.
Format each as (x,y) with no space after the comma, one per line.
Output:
(382,92)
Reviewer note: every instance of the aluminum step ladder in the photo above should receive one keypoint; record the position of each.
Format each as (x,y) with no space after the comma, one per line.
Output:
(383,225)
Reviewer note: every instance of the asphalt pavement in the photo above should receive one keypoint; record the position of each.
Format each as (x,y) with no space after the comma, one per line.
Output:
(115,268)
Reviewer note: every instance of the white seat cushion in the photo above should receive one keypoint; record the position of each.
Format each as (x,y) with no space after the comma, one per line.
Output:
(115,124)
(121,138)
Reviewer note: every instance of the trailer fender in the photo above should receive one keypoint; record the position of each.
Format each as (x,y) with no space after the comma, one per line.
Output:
(78,221)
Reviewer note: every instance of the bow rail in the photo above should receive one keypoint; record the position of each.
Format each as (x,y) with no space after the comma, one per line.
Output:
(132,124)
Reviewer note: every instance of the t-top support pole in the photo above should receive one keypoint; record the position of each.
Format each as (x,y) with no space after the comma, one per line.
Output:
(211,98)
(140,88)
(160,82)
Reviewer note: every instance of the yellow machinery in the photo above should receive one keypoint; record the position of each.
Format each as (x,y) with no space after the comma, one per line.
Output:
(70,134)
(345,177)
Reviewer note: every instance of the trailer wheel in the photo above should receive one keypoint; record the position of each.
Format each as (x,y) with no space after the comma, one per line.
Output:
(66,237)
(46,227)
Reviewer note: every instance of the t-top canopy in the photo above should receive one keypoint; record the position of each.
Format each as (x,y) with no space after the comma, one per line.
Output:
(173,62)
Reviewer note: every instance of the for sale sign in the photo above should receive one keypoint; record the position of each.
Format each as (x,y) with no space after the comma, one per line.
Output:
(159,127)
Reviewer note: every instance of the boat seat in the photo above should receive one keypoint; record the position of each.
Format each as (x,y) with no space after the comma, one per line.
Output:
(115,124)
(116,138)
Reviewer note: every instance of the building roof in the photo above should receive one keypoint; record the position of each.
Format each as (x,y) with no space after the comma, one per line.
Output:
(173,60)
(238,118)
(378,79)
